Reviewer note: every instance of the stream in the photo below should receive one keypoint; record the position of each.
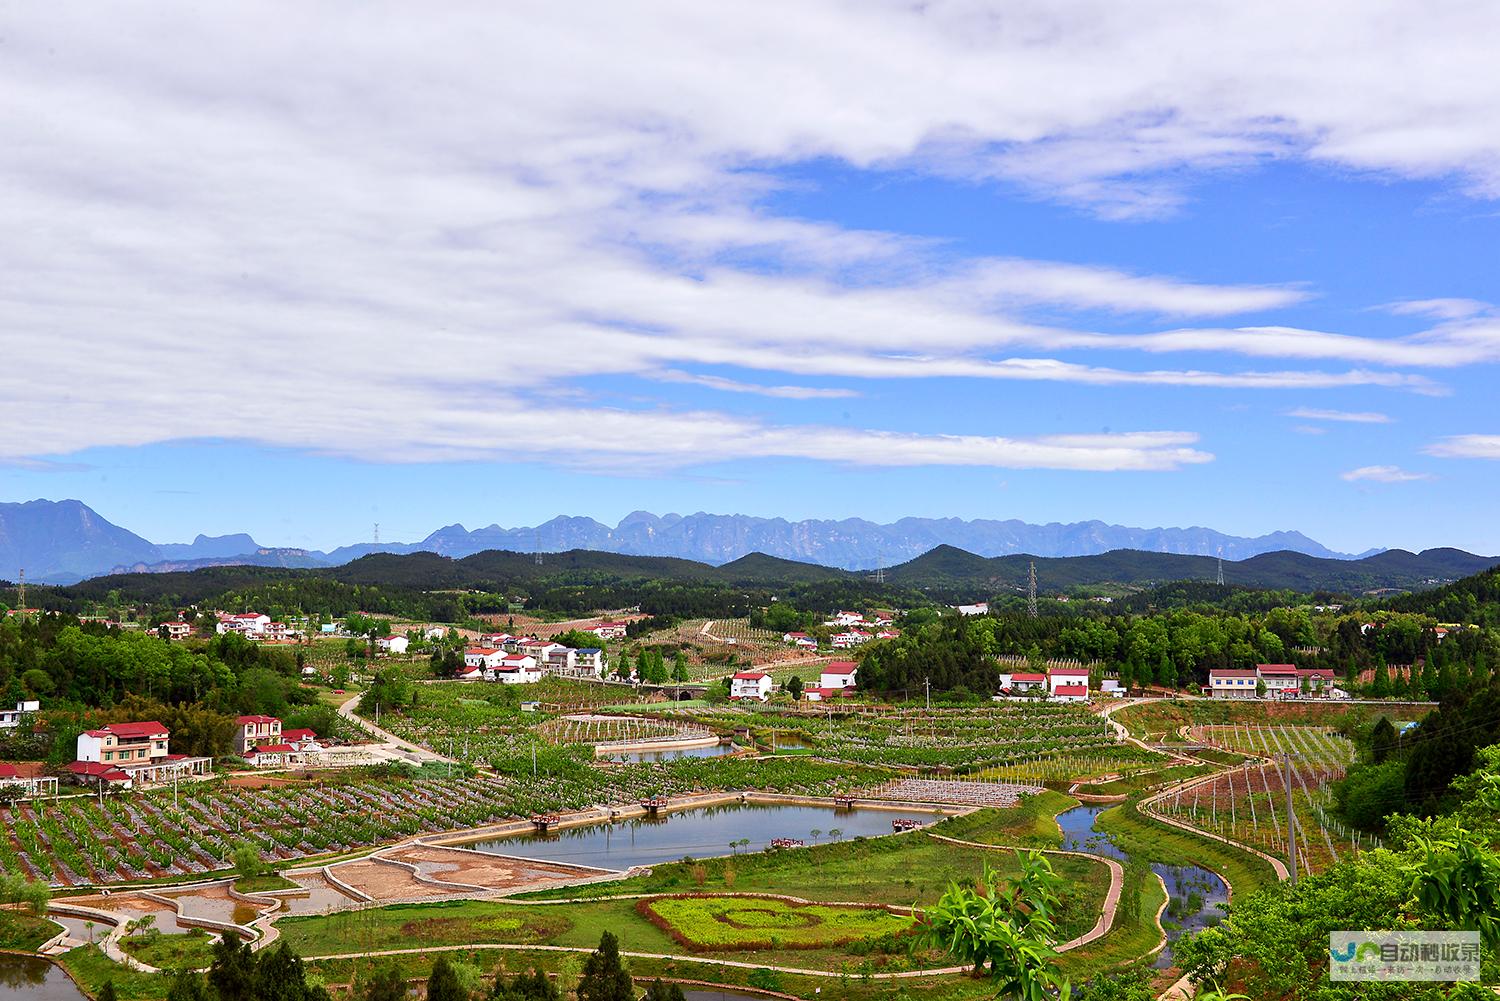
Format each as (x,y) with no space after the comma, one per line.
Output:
(1195,896)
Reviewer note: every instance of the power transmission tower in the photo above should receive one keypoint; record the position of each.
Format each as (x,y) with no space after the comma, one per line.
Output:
(879,567)
(1221,566)
(376,537)
(536,546)
(21,590)
(1031,591)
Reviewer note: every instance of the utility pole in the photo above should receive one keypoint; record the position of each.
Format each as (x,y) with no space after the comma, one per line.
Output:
(1031,591)
(1291,824)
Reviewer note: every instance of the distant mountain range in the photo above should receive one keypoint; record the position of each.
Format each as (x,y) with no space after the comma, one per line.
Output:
(65,541)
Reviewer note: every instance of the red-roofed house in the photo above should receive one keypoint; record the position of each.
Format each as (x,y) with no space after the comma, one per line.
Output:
(28,778)
(124,743)
(1070,693)
(252,731)
(610,630)
(1023,684)
(483,658)
(1279,679)
(817,693)
(801,641)
(177,630)
(302,739)
(839,674)
(1067,677)
(391,644)
(750,685)
(274,755)
(852,638)
(247,624)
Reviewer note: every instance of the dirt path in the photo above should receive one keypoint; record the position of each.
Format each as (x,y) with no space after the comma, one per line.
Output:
(402,747)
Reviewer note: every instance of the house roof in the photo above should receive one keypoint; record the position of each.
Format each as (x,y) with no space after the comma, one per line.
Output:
(750,675)
(842,693)
(303,734)
(149,728)
(1028,677)
(588,649)
(1276,668)
(481,651)
(272,749)
(841,667)
(1230,673)
(97,769)
(8,771)
(1071,690)
(1068,672)
(242,720)
(1314,672)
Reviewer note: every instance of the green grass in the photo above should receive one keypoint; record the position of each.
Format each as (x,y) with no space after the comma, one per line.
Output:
(192,950)
(717,923)
(1032,823)
(1142,836)
(1135,932)
(261,884)
(91,970)
(24,932)
(1135,783)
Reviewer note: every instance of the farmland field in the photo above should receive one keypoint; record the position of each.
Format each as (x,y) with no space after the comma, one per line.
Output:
(1249,804)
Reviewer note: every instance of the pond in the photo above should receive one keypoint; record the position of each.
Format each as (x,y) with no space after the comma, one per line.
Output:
(1195,896)
(701,833)
(25,978)
(668,754)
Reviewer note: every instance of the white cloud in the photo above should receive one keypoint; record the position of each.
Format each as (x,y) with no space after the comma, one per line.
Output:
(1442,309)
(1466,446)
(1350,417)
(437,225)
(734,386)
(1384,474)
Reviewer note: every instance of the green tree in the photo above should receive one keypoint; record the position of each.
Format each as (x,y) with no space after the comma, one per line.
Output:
(605,977)
(387,983)
(443,984)
(232,972)
(679,667)
(794,688)
(659,991)
(187,986)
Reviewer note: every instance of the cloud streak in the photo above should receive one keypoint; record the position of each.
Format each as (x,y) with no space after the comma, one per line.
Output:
(1384,474)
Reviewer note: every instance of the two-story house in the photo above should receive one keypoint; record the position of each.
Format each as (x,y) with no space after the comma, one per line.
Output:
(253,731)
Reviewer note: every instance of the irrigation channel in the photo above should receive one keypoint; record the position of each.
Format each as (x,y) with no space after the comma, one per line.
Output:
(1196,896)
(24,978)
(704,832)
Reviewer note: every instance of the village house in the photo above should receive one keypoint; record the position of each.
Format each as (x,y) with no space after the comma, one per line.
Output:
(610,630)
(495,639)
(981,608)
(248,624)
(750,685)
(1023,684)
(481,658)
(278,755)
(391,644)
(469,673)
(1279,679)
(850,639)
(252,731)
(177,630)
(11,718)
(1070,678)
(800,640)
(588,660)
(558,659)
(276,632)
(138,750)
(515,670)
(839,674)
(1227,683)
(847,619)
(820,693)
(302,739)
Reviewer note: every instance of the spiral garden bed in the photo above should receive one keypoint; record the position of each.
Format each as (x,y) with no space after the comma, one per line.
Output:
(709,923)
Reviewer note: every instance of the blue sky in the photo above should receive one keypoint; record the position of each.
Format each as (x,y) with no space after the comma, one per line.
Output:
(813,261)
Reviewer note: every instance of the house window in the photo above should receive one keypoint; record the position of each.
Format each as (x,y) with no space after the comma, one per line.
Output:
(109,756)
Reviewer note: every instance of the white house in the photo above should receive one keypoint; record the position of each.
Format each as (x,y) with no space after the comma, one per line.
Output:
(800,640)
(252,731)
(839,674)
(610,630)
(982,608)
(1070,693)
(1023,684)
(124,743)
(851,638)
(1224,683)
(11,718)
(391,644)
(589,660)
(1279,679)
(515,670)
(848,619)
(1067,677)
(559,659)
(247,624)
(467,673)
(495,639)
(750,685)
(30,783)
(177,630)
(817,693)
(434,633)
(483,658)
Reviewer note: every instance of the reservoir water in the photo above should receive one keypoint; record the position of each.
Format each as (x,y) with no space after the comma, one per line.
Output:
(701,833)
(24,978)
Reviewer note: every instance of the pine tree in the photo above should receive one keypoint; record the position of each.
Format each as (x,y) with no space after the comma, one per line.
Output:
(659,991)
(387,984)
(232,973)
(604,976)
(679,667)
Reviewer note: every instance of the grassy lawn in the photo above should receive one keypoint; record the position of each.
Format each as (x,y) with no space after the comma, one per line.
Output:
(1141,836)
(1031,823)
(1135,783)
(24,932)
(263,883)
(707,924)
(1134,934)
(91,969)
(192,950)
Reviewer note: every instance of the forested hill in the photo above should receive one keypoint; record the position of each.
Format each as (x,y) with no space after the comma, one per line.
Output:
(583,579)
(1474,599)
(947,568)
